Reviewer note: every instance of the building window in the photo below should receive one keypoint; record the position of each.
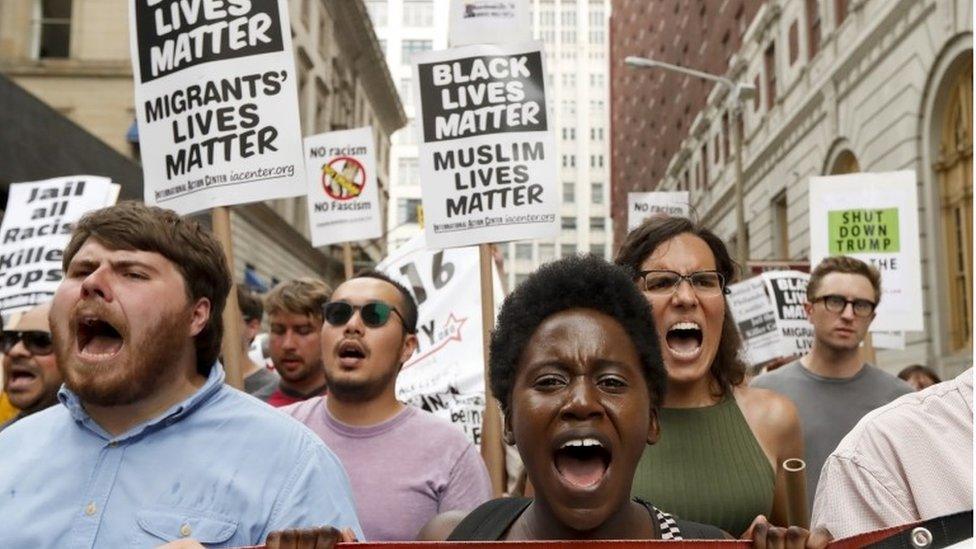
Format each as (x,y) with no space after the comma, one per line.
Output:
(406,91)
(520,278)
(523,251)
(377,12)
(569,192)
(418,13)
(598,223)
(597,193)
(770,61)
(840,11)
(55,29)
(780,227)
(408,210)
(567,250)
(725,134)
(813,27)
(407,172)
(569,223)
(704,155)
(794,43)
(547,252)
(599,250)
(411,47)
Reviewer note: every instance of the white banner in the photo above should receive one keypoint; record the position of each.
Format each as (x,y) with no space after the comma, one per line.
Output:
(755,318)
(36,228)
(446,374)
(216,102)
(487,153)
(788,292)
(488,22)
(343,201)
(641,206)
(873,217)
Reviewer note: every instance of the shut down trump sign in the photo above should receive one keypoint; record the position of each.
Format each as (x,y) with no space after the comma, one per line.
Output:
(487,155)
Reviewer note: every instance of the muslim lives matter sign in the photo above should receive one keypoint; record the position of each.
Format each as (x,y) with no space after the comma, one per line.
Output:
(343,202)
(873,217)
(487,155)
(216,102)
(35,230)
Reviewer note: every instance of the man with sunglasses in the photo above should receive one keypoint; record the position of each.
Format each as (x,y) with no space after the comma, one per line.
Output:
(405,465)
(831,386)
(30,370)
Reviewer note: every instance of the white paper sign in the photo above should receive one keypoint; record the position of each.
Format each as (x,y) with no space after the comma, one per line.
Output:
(343,203)
(216,102)
(446,374)
(487,153)
(788,291)
(36,228)
(888,340)
(755,318)
(488,22)
(641,206)
(873,217)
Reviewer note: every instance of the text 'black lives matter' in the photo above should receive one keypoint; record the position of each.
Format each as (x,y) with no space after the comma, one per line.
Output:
(482,95)
(176,34)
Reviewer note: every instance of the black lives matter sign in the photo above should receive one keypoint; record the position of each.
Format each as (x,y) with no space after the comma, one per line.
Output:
(177,34)
(482,95)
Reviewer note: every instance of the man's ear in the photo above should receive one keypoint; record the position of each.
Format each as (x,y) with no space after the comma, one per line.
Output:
(808,308)
(199,316)
(409,347)
(653,428)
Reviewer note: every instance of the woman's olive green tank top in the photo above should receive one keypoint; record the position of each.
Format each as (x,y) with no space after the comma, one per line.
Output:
(707,467)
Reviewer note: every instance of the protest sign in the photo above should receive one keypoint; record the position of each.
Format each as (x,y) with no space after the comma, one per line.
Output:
(788,292)
(487,153)
(488,22)
(343,201)
(755,318)
(640,206)
(36,228)
(216,102)
(873,217)
(446,374)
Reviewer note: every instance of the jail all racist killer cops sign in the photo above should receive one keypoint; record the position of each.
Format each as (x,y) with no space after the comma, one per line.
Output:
(487,154)
(216,102)
(343,202)
(36,228)
(873,217)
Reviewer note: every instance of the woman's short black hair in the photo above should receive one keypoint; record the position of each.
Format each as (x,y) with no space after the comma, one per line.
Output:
(576,282)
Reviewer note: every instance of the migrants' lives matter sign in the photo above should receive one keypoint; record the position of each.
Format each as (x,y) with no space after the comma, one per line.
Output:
(487,154)
(788,292)
(755,317)
(343,202)
(216,102)
(36,228)
(873,217)
(445,376)
(641,206)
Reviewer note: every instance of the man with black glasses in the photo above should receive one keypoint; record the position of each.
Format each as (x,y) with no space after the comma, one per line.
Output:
(30,369)
(405,465)
(831,386)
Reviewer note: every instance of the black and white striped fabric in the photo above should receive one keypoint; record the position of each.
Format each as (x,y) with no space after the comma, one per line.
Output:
(667,525)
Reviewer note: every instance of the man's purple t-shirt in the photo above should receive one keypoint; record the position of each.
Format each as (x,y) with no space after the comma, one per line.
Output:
(403,471)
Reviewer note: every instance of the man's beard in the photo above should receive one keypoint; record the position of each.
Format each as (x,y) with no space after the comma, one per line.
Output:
(151,363)
(356,390)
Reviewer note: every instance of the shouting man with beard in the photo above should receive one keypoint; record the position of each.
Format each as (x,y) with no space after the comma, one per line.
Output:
(405,464)
(150,445)
(295,314)
(30,371)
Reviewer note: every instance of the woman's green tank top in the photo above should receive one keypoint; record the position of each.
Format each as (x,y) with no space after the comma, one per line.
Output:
(707,467)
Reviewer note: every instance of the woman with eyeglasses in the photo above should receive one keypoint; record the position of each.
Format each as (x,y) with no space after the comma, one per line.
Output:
(720,457)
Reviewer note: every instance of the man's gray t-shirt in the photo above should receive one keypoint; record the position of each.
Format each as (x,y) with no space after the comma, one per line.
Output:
(261,384)
(830,407)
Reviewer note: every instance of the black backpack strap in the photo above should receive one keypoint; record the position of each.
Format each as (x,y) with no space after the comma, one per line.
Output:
(490,520)
(938,532)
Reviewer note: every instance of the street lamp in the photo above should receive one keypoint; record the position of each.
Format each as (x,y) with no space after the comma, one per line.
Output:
(739,93)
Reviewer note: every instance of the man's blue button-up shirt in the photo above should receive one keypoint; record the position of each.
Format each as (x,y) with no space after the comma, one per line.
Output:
(220,467)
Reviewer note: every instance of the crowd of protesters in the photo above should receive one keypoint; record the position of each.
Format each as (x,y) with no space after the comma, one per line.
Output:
(620,384)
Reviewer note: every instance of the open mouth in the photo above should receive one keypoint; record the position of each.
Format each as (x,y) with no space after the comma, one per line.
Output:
(351,352)
(18,378)
(582,462)
(685,339)
(97,339)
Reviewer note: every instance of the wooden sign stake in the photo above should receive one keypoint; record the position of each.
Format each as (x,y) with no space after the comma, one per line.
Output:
(347,259)
(492,449)
(230,347)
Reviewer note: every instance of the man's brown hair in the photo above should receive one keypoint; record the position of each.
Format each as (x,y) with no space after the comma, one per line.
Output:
(843,264)
(250,304)
(302,296)
(188,245)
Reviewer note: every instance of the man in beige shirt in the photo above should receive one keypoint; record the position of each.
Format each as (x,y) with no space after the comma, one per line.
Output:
(907,461)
